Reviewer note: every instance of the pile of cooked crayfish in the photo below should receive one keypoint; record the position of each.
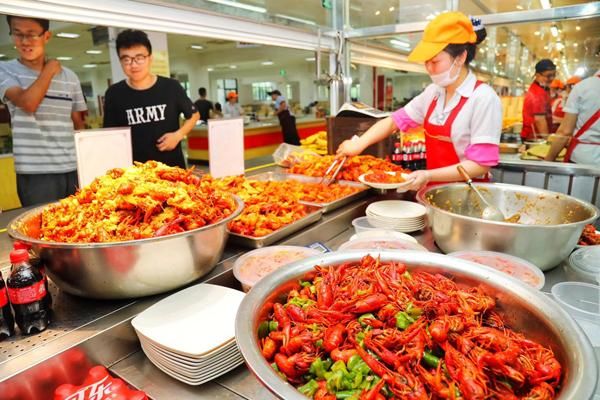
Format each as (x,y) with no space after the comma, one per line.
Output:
(371,330)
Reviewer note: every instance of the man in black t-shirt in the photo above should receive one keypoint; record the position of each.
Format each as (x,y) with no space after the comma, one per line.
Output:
(203,105)
(149,104)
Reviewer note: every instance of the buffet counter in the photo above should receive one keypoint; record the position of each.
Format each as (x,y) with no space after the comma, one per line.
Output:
(260,138)
(8,183)
(90,332)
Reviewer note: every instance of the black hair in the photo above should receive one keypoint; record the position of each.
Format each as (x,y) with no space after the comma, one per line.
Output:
(456,50)
(202,92)
(218,107)
(130,38)
(44,23)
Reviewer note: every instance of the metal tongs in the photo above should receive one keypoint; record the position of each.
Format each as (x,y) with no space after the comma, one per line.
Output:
(327,181)
(342,161)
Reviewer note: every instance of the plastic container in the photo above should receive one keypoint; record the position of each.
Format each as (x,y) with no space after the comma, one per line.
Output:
(584,265)
(381,243)
(256,264)
(582,302)
(385,233)
(362,224)
(516,267)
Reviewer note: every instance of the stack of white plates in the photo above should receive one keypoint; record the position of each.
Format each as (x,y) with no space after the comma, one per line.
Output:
(397,215)
(190,335)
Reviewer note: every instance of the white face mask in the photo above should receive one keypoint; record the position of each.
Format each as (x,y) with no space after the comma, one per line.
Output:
(444,79)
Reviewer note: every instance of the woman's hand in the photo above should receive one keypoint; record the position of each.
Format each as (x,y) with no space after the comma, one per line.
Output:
(419,179)
(349,148)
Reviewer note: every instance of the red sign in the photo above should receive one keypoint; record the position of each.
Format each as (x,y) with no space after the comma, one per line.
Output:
(98,385)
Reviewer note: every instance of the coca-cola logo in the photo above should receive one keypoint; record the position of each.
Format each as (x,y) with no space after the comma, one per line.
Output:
(95,391)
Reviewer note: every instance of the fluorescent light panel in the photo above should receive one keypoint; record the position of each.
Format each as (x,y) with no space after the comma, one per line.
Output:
(267,63)
(89,65)
(93,51)
(67,35)
(296,19)
(554,31)
(546,4)
(310,58)
(400,43)
(196,47)
(243,6)
(64,58)
(233,66)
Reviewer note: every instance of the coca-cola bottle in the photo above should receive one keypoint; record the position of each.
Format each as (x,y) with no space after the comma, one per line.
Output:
(27,294)
(36,262)
(7,322)
(397,156)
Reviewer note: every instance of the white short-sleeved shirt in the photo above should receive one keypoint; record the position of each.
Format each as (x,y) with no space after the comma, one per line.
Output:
(584,100)
(479,121)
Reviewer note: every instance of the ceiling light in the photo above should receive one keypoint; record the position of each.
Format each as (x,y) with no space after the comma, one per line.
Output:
(545,47)
(67,35)
(576,60)
(377,12)
(233,66)
(2,55)
(392,9)
(310,58)
(93,51)
(63,58)
(536,33)
(196,47)
(267,63)
(243,6)
(546,4)
(554,30)
(295,19)
(483,67)
(519,7)
(210,69)
(560,46)
(89,65)
(578,28)
(580,71)
(430,17)
(400,43)
(575,44)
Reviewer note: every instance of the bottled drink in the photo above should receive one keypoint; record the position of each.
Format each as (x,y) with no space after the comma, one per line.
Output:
(35,262)
(397,156)
(7,323)
(27,294)
(404,156)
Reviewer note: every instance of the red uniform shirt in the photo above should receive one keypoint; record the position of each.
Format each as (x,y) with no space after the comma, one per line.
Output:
(557,112)
(537,102)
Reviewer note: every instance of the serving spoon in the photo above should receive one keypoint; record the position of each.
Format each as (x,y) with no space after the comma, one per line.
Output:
(490,212)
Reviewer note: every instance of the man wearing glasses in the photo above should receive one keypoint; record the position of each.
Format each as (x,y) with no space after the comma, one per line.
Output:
(149,104)
(45,103)
(537,107)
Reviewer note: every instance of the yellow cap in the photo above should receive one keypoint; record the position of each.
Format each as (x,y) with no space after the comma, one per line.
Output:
(447,28)
(573,80)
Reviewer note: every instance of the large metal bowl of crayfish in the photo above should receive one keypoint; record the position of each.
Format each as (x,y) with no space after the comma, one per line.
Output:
(130,268)
(409,325)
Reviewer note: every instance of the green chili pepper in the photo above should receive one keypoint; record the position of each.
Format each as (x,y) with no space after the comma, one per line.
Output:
(430,359)
(339,366)
(319,343)
(263,329)
(319,367)
(313,289)
(362,318)
(347,394)
(275,367)
(334,380)
(309,388)
(403,320)
(305,284)
(273,325)
(413,311)
(302,303)
(355,363)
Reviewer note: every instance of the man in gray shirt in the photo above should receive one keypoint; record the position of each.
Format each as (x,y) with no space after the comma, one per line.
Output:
(45,103)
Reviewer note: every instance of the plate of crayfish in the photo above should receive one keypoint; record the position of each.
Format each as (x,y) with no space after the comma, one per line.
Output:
(380,179)
(409,325)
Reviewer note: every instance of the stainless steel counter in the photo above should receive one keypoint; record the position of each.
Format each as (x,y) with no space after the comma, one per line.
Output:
(102,330)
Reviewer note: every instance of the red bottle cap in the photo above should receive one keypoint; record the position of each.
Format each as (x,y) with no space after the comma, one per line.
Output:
(17,256)
(21,246)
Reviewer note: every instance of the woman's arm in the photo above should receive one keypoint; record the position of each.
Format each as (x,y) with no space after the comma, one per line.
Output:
(374,134)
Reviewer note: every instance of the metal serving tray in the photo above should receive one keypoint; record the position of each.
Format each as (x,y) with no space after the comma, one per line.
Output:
(327,207)
(314,214)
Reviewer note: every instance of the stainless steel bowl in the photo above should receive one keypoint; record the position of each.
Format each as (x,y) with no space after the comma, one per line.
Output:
(525,309)
(127,269)
(549,227)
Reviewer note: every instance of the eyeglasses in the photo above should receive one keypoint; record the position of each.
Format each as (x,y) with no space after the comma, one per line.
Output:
(29,36)
(549,75)
(139,59)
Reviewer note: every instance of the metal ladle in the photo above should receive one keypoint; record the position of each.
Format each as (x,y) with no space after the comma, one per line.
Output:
(490,212)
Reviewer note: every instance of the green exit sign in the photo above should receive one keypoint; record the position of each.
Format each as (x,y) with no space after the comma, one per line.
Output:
(326,4)
(282,72)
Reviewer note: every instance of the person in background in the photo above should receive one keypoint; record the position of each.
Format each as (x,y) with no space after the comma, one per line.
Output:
(286,119)
(218,111)
(557,91)
(149,104)
(232,109)
(203,105)
(571,82)
(537,110)
(581,124)
(45,102)
(462,116)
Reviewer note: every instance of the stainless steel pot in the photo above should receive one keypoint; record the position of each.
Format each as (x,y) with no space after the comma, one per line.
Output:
(525,309)
(128,269)
(549,227)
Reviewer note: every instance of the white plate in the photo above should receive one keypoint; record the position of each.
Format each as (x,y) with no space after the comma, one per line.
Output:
(397,209)
(192,322)
(206,356)
(385,185)
(192,372)
(394,221)
(191,363)
(388,233)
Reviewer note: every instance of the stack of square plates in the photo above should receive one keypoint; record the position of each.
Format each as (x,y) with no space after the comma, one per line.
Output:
(398,215)
(190,335)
